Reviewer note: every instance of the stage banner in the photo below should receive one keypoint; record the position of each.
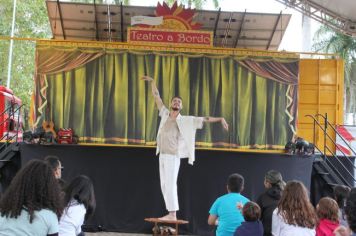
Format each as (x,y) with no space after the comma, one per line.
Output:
(171,26)
(169,37)
(348,134)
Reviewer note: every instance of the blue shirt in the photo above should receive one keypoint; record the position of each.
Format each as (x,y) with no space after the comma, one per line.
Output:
(229,216)
(44,222)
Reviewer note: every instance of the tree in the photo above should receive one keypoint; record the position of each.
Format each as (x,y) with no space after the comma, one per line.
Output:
(31,22)
(329,41)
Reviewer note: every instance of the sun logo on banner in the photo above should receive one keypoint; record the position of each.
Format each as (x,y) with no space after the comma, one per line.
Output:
(171,26)
(176,17)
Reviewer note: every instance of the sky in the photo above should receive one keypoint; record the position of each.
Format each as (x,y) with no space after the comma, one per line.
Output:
(292,40)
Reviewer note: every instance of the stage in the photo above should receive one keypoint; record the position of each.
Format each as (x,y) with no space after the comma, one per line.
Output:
(127,188)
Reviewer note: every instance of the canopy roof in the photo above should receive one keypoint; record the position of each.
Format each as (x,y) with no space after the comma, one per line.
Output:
(81,21)
(338,14)
(344,8)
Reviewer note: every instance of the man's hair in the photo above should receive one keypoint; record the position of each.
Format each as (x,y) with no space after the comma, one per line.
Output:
(251,211)
(350,210)
(33,188)
(235,183)
(81,189)
(177,97)
(327,208)
(53,161)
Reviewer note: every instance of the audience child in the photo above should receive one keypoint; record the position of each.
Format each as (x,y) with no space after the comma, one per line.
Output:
(226,210)
(268,201)
(80,204)
(294,215)
(55,164)
(252,225)
(31,205)
(341,193)
(327,212)
(350,211)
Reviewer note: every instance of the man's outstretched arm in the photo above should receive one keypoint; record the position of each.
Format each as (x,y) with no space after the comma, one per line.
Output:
(217,119)
(155,92)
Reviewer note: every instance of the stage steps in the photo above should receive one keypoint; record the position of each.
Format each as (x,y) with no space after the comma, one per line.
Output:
(10,163)
(7,152)
(332,168)
(329,173)
(11,133)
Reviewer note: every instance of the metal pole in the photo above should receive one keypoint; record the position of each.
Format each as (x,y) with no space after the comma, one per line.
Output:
(325,131)
(314,133)
(11,45)
(18,122)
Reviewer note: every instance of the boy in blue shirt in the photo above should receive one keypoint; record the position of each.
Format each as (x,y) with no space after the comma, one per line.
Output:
(226,210)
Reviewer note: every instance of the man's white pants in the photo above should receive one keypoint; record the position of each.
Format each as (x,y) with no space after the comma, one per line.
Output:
(168,171)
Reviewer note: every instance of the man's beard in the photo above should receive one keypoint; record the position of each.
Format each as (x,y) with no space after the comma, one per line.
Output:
(175,109)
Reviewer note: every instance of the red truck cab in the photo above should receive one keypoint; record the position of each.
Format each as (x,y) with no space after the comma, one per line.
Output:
(10,115)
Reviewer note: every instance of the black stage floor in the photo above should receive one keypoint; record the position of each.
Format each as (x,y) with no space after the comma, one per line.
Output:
(127,188)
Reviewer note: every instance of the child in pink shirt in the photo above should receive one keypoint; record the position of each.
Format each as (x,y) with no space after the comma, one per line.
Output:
(327,211)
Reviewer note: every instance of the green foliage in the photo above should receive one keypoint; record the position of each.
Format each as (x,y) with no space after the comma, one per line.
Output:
(31,22)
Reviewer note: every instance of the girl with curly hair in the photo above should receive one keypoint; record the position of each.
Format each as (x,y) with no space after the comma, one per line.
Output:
(31,205)
(294,215)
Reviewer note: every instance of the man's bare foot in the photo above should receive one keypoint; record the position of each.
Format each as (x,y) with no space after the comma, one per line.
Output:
(168,217)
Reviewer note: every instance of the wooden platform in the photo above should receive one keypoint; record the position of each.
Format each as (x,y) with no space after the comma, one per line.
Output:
(161,227)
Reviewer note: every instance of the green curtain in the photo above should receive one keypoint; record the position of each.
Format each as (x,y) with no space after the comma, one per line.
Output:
(104,100)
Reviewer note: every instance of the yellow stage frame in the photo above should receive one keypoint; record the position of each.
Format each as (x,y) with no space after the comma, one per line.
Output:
(321,81)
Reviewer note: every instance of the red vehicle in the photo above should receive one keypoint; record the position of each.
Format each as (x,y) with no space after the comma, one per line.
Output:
(10,115)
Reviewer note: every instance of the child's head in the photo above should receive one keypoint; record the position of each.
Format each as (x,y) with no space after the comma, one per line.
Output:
(341,193)
(350,209)
(251,211)
(235,183)
(81,189)
(327,208)
(33,188)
